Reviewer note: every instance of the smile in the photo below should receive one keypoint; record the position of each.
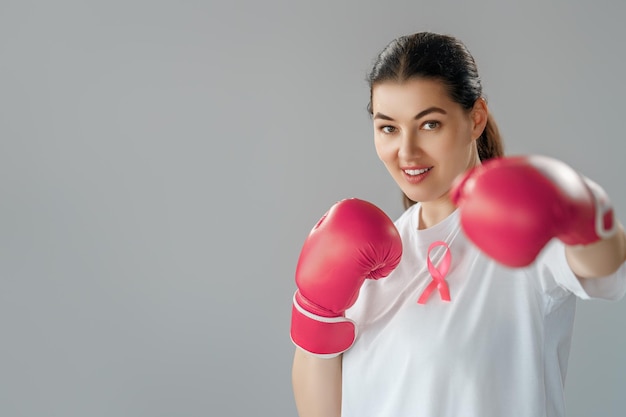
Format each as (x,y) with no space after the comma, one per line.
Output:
(416,171)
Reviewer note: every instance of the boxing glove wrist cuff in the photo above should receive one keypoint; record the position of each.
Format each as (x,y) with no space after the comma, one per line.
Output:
(605,224)
(325,337)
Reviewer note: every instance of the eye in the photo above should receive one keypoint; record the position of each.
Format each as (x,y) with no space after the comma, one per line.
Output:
(431,125)
(387,129)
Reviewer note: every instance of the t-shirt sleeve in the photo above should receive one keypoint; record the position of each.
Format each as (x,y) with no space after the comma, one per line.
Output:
(553,263)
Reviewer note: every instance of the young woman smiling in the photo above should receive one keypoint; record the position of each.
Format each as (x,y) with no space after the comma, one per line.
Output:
(464,306)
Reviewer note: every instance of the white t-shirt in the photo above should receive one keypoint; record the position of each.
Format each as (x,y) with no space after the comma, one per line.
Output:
(498,348)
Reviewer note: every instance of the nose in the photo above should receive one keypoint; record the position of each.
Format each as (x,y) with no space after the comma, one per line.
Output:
(409,146)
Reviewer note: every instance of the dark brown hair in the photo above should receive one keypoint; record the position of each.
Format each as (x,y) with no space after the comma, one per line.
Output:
(444,58)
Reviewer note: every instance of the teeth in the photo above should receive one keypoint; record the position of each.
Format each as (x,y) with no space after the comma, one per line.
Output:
(416,171)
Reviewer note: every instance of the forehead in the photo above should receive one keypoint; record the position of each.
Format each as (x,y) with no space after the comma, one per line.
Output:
(409,97)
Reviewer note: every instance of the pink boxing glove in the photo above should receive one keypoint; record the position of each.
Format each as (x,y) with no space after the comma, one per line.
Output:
(512,207)
(353,241)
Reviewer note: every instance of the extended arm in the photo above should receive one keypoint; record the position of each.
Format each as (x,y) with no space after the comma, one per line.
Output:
(598,259)
(512,207)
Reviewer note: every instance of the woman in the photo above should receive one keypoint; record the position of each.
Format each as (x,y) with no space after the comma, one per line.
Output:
(475,313)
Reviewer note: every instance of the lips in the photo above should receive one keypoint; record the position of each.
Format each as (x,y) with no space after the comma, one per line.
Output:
(416,174)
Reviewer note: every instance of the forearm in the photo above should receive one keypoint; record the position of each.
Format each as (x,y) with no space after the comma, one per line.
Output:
(317,385)
(598,259)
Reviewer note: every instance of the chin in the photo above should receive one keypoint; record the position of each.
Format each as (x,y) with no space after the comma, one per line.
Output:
(417,197)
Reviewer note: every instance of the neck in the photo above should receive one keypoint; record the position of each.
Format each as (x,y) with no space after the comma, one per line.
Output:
(433,212)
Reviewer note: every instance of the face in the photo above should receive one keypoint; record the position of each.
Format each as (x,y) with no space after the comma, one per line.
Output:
(423,137)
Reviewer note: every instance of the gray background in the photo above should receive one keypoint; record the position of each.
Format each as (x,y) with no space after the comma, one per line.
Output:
(162,162)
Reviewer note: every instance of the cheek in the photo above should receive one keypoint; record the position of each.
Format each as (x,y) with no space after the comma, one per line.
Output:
(458,141)
(466,133)
(384,150)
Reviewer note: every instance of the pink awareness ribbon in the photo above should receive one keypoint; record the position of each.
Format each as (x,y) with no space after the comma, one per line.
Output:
(438,274)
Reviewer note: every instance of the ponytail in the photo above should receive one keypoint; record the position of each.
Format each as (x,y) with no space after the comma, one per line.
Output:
(489,144)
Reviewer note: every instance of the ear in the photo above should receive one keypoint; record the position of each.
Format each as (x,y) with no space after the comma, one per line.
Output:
(479,115)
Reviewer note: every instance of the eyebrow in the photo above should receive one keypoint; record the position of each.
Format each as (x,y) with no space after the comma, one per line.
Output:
(417,116)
